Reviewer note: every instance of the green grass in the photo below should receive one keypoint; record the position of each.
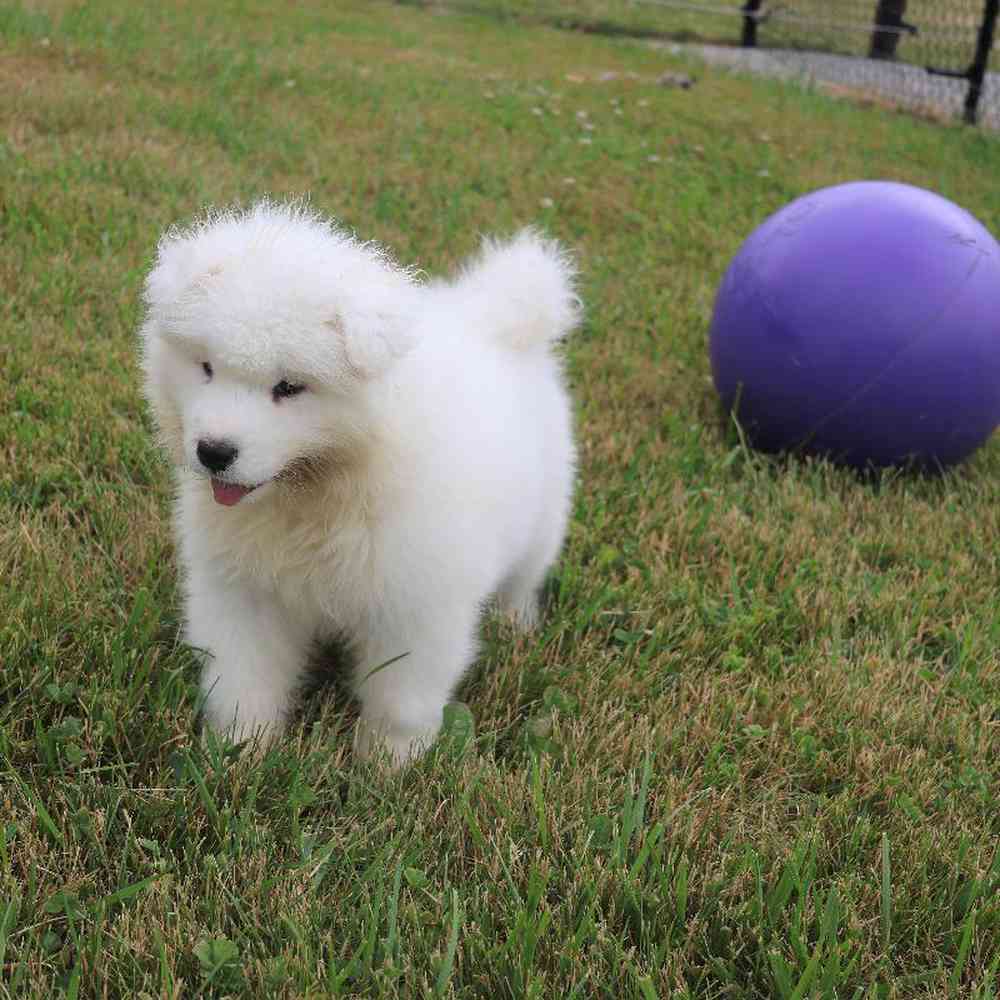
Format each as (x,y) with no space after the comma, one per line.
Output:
(753,749)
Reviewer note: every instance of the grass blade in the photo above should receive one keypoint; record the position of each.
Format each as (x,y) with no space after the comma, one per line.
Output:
(963,953)
(448,962)
(885,904)
(129,892)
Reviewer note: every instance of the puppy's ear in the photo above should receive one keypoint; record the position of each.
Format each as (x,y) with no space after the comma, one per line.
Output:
(168,276)
(373,337)
(178,268)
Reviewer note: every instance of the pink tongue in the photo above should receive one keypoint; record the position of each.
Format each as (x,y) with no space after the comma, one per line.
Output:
(228,493)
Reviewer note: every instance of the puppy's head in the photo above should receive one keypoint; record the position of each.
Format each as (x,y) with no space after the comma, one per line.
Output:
(264,333)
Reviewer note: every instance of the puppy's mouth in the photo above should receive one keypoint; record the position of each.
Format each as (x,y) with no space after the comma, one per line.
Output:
(229,494)
(300,472)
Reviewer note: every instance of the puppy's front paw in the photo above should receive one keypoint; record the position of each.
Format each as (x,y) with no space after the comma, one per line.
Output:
(258,739)
(398,742)
(261,722)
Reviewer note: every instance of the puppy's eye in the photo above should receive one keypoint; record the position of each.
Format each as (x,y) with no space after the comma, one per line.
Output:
(207,369)
(284,390)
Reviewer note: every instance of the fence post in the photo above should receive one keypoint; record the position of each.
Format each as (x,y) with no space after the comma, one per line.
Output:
(750,9)
(888,14)
(977,71)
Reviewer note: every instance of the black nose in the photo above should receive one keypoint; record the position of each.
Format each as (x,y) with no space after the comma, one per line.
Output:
(216,456)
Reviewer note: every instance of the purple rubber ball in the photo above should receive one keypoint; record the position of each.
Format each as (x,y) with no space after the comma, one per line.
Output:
(862,322)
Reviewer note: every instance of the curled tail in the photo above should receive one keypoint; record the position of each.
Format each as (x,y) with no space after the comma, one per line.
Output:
(522,291)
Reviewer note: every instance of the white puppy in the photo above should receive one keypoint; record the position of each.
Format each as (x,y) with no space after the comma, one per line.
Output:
(359,455)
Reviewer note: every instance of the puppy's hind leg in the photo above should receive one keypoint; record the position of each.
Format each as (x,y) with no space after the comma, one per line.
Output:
(517,597)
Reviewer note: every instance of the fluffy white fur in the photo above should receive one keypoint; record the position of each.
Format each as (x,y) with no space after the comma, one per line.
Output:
(426,466)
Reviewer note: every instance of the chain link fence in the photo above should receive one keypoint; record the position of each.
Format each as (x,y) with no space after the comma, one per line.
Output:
(931,56)
(952,43)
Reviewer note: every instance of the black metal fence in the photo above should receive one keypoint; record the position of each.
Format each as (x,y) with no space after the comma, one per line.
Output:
(936,56)
(949,40)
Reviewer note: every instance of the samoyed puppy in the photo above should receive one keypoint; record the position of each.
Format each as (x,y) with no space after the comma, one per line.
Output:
(359,455)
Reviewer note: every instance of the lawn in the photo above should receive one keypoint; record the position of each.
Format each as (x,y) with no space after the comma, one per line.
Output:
(753,751)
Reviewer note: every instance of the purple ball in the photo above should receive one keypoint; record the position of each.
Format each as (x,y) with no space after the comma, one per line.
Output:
(863,322)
